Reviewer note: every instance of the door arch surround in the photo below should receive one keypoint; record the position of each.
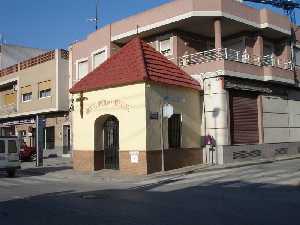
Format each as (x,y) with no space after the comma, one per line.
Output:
(106,139)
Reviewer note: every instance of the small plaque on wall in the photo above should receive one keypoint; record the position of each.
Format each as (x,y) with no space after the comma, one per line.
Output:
(134,156)
(154,115)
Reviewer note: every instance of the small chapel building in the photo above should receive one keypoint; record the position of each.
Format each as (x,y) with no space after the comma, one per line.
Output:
(117,113)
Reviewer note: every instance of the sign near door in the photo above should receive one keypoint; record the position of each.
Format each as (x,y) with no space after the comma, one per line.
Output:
(134,156)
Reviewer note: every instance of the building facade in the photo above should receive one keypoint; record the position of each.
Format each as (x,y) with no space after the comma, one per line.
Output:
(240,56)
(13,54)
(37,86)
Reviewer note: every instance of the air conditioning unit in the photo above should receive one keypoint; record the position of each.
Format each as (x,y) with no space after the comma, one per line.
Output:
(15,87)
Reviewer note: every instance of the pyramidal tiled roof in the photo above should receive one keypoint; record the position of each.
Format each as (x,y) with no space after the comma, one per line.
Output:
(135,62)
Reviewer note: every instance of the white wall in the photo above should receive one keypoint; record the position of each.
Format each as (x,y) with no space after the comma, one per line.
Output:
(281,117)
(216,110)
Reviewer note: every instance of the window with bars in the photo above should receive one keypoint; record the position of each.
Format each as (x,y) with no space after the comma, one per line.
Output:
(45,93)
(26,97)
(174,131)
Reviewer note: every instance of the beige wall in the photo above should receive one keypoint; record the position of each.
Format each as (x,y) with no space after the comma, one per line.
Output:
(130,111)
(85,48)
(32,76)
(63,84)
(55,71)
(190,108)
(181,7)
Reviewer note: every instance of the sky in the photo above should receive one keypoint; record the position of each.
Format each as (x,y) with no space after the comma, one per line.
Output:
(50,24)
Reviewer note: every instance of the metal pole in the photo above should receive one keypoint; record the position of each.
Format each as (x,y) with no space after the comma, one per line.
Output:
(97,5)
(162,138)
(37,145)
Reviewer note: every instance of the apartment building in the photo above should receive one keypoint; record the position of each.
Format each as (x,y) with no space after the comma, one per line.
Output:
(13,54)
(37,86)
(248,106)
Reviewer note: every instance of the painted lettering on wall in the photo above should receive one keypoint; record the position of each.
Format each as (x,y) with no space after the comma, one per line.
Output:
(114,103)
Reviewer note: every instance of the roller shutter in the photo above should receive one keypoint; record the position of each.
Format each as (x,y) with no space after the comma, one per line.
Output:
(244,117)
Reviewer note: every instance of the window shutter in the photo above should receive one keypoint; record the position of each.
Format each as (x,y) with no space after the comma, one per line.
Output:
(244,117)
(165,46)
(26,89)
(45,85)
(10,98)
(99,58)
(82,69)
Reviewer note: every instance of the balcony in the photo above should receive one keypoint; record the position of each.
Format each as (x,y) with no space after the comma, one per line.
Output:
(234,55)
(8,109)
(231,61)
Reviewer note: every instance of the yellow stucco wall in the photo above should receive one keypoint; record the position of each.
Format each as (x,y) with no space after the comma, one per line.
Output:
(190,107)
(126,103)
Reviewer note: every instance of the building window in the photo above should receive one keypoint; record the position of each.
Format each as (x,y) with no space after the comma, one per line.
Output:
(174,131)
(2,146)
(82,69)
(27,97)
(12,146)
(99,57)
(165,47)
(49,137)
(45,93)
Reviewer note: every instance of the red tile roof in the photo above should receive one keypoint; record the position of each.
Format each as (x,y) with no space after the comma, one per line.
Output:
(135,62)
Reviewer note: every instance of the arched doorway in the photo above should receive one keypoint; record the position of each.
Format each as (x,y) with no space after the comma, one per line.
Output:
(111,143)
(107,142)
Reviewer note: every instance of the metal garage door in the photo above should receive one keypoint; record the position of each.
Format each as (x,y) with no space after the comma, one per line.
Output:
(244,117)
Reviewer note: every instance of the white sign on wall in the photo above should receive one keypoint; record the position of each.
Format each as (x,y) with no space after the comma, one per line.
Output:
(168,110)
(134,156)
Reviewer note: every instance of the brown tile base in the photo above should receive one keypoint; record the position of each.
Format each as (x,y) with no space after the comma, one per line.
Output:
(126,166)
(149,161)
(174,159)
(88,160)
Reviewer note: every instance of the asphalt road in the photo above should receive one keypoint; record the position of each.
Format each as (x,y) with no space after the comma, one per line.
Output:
(253,195)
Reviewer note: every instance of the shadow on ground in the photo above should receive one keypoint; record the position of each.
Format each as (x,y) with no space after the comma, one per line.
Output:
(163,203)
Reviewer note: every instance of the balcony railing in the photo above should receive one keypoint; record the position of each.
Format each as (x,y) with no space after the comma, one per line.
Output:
(8,109)
(234,55)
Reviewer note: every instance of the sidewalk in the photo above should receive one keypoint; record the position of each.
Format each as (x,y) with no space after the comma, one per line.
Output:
(62,168)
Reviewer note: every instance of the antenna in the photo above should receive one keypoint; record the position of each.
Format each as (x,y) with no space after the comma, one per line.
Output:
(96,18)
(1,39)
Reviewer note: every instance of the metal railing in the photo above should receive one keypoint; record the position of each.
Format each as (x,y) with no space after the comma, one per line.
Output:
(8,109)
(234,55)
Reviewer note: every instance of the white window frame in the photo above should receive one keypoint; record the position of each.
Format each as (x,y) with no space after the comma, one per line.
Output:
(105,49)
(49,96)
(77,65)
(25,94)
(171,44)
